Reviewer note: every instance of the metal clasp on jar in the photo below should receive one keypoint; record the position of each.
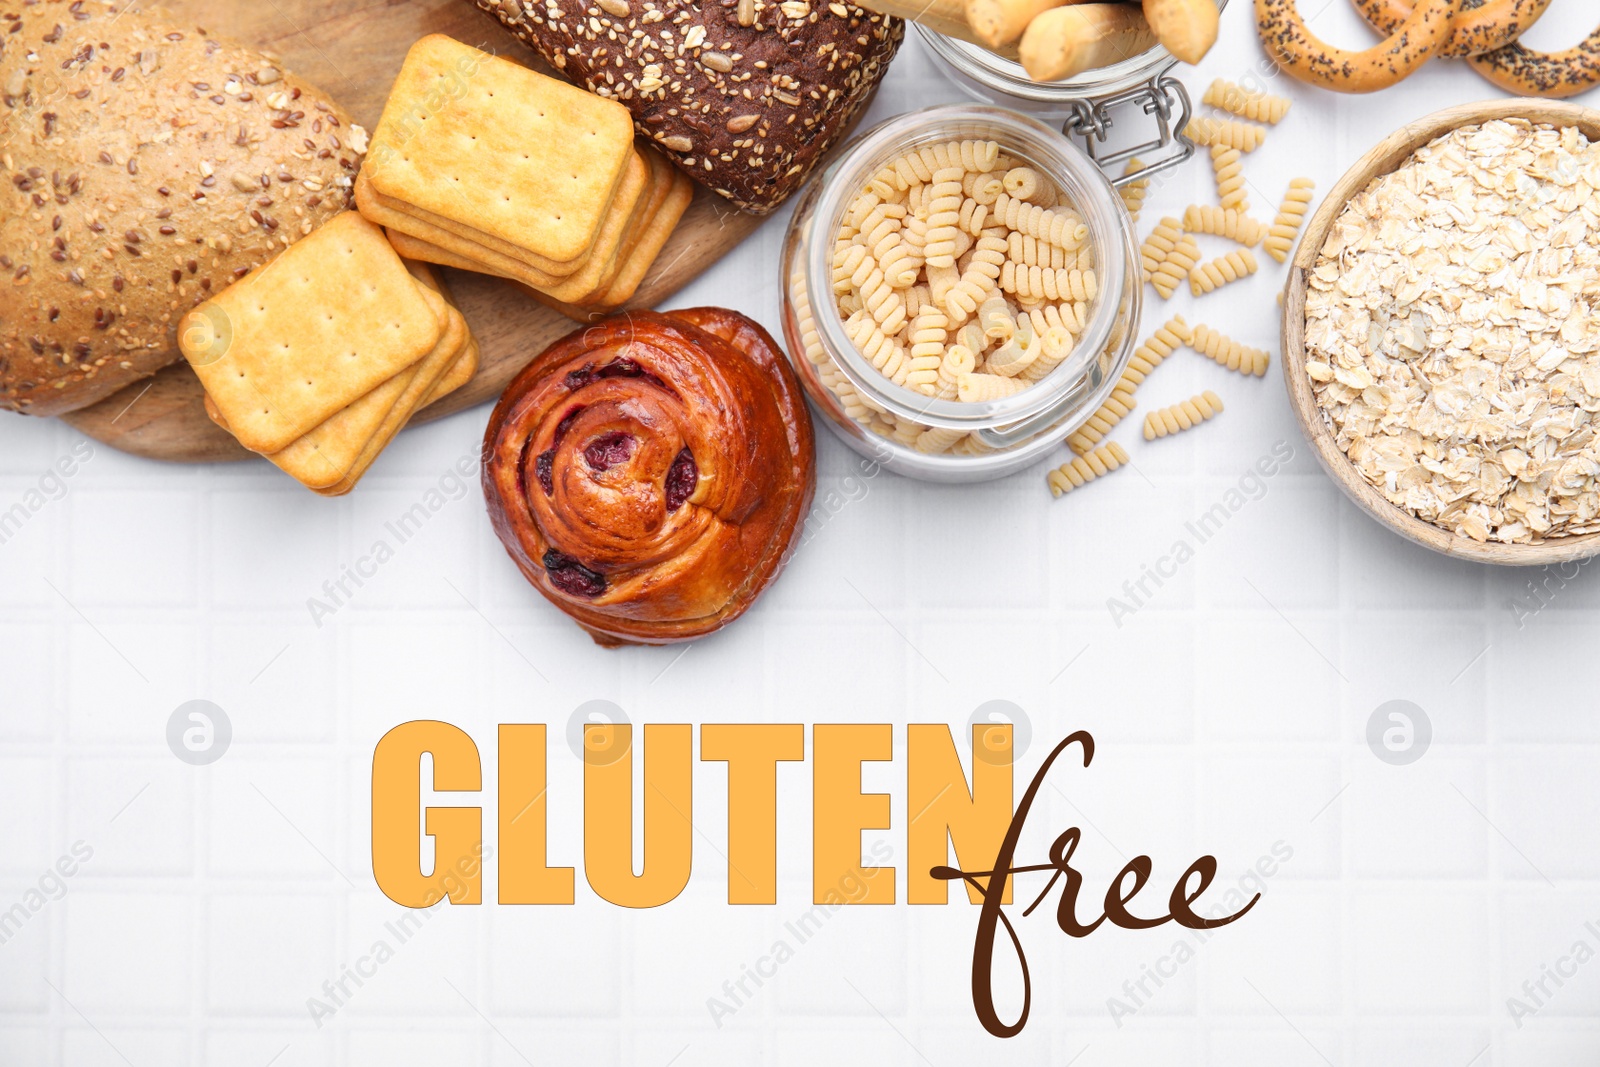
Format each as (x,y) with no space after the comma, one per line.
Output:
(1165,98)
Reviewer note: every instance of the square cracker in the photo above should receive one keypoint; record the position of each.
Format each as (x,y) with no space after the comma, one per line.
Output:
(625,209)
(382,208)
(647,245)
(325,454)
(338,451)
(418,392)
(411,236)
(465,366)
(651,239)
(485,142)
(425,242)
(300,339)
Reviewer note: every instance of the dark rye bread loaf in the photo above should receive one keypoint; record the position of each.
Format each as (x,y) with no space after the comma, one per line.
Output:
(145,166)
(744,95)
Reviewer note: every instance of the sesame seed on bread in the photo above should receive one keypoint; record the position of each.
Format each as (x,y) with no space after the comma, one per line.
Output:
(143,167)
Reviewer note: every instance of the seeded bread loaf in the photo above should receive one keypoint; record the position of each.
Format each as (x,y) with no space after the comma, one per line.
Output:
(745,96)
(145,166)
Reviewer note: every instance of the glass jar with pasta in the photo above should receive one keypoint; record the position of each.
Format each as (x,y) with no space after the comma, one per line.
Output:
(959,287)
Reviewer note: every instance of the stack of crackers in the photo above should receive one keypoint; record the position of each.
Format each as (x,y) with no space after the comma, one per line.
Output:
(485,165)
(319,358)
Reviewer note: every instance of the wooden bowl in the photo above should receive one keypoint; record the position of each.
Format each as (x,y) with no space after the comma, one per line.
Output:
(1385,158)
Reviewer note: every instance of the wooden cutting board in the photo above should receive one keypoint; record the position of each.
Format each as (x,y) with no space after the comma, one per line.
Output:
(353,49)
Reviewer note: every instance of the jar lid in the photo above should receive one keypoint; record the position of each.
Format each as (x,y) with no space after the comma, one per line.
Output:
(1083,186)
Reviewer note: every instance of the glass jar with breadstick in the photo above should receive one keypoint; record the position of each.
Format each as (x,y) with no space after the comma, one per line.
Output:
(960,289)
(1087,66)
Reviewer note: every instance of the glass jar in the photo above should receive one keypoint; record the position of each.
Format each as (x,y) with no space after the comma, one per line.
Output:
(1087,105)
(997,436)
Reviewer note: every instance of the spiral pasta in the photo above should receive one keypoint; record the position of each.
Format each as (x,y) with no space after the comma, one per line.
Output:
(1182,416)
(1086,468)
(1016,352)
(1162,240)
(958,360)
(846,262)
(980,278)
(1051,347)
(1176,267)
(1042,283)
(1237,100)
(927,349)
(972,217)
(1058,227)
(944,219)
(1207,131)
(1291,214)
(1024,183)
(885,305)
(1104,420)
(971,445)
(977,388)
(1069,317)
(1207,277)
(1230,353)
(1228,167)
(1150,355)
(937,439)
(983,188)
(1224,222)
(886,357)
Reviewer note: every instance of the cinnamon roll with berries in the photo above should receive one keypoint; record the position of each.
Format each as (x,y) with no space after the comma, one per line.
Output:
(650,474)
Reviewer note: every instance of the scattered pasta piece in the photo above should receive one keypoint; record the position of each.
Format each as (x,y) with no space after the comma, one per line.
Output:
(1228,166)
(1086,468)
(1255,106)
(1224,222)
(1182,416)
(1104,420)
(1228,352)
(1150,355)
(1134,192)
(1162,240)
(1207,131)
(1176,267)
(1208,277)
(1291,215)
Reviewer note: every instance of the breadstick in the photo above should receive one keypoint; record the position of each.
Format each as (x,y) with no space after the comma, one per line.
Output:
(948,17)
(1070,40)
(1492,25)
(1000,22)
(1307,57)
(1186,28)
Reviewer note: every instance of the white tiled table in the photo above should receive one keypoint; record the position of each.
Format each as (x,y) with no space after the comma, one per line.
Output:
(1230,714)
